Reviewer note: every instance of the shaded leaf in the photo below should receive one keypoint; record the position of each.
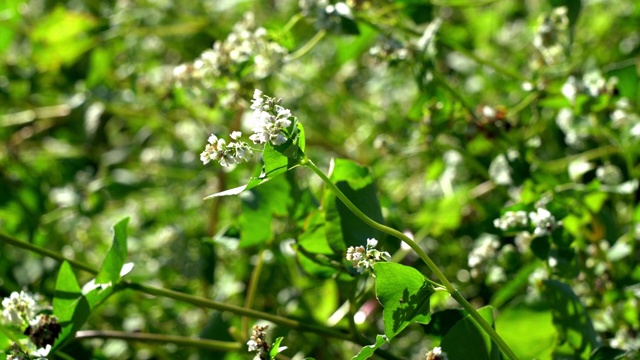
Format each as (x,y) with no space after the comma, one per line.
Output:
(467,341)
(570,318)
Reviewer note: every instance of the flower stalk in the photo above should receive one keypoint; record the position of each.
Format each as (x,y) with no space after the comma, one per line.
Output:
(425,258)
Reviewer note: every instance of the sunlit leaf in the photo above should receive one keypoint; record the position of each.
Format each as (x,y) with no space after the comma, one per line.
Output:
(404,293)
(368,350)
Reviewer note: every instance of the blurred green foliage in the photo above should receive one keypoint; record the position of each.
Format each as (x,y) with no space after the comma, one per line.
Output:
(94,128)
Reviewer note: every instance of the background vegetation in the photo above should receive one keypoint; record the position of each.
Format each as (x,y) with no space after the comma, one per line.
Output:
(510,106)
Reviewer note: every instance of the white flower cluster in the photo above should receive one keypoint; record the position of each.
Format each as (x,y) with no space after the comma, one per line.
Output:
(244,44)
(552,36)
(592,84)
(485,247)
(437,354)
(232,153)
(19,308)
(389,49)
(542,219)
(258,342)
(544,222)
(510,220)
(270,119)
(219,74)
(364,258)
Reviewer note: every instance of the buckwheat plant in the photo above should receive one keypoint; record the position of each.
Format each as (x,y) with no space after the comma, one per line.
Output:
(282,137)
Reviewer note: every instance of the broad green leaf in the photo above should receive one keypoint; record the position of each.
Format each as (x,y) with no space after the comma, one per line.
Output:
(112,265)
(258,207)
(536,323)
(404,293)
(368,350)
(467,341)
(343,228)
(315,255)
(576,335)
(69,305)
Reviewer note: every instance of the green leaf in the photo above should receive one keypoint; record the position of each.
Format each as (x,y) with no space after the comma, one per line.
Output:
(443,321)
(467,341)
(536,323)
(61,37)
(570,318)
(343,227)
(275,348)
(258,207)
(404,293)
(112,265)
(69,305)
(368,350)
(315,255)
(607,353)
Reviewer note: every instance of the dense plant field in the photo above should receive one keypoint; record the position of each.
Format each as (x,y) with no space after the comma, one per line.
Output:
(444,179)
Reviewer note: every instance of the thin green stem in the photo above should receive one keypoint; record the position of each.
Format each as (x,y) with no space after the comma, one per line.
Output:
(208,344)
(427,260)
(195,300)
(251,292)
(292,22)
(46,252)
(308,46)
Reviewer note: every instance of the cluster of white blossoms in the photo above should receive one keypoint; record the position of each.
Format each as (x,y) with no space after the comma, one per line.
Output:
(246,43)
(541,218)
(225,153)
(258,342)
(437,354)
(485,247)
(510,220)
(364,258)
(19,308)
(544,222)
(270,119)
(552,36)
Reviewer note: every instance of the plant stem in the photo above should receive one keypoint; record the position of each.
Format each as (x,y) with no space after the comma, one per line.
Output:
(251,292)
(46,252)
(159,338)
(308,46)
(427,260)
(195,300)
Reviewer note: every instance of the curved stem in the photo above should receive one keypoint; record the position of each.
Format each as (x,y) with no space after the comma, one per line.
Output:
(159,338)
(427,260)
(308,46)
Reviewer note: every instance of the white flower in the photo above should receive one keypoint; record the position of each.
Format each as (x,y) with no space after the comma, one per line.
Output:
(484,248)
(364,258)
(41,354)
(226,154)
(253,346)
(270,120)
(19,308)
(511,219)
(543,221)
